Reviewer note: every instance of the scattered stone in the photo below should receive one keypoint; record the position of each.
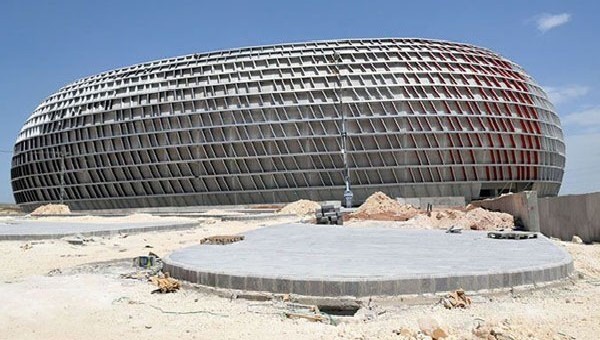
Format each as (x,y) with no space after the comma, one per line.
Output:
(456,299)
(439,333)
(166,284)
(54,272)
(222,239)
(76,241)
(405,332)
(576,239)
(428,325)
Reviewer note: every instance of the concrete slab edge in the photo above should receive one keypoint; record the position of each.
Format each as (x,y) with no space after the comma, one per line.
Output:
(98,233)
(366,287)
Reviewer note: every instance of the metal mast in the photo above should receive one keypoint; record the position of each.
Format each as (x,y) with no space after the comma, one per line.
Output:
(347,202)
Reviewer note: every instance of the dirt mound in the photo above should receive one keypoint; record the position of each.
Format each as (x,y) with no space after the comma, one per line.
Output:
(470,218)
(300,208)
(381,207)
(52,209)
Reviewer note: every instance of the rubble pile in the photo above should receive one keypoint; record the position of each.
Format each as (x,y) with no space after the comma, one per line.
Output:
(300,208)
(52,209)
(383,208)
(470,218)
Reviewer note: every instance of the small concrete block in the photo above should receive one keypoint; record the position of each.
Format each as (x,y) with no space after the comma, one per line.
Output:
(211,279)
(388,287)
(528,277)
(351,288)
(369,288)
(427,285)
(496,280)
(254,283)
(283,286)
(333,288)
(408,286)
(315,288)
(238,282)
(223,281)
(441,284)
(517,279)
(299,287)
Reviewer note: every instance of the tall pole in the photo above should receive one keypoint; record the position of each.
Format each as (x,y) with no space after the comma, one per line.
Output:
(62,176)
(347,202)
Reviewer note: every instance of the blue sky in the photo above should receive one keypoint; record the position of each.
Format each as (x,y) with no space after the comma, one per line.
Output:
(47,44)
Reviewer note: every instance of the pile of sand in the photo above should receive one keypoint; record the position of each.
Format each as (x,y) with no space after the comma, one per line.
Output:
(383,208)
(470,218)
(52,209)
(300,208)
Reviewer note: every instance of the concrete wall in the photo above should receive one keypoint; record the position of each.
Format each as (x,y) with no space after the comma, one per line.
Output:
(523,205)
(565,216)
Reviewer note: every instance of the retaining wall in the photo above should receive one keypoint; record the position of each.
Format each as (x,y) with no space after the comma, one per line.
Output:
(565,216)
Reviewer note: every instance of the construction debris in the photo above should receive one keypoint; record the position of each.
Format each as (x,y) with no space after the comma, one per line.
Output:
(383,208)
(76,241)
(454,230)
(151,264)
(308,312)
(431,328)
(300,208)
(456,299)
(166,284)
(221,239)
(328,214)
(514,235)
(51,209)
(473,218)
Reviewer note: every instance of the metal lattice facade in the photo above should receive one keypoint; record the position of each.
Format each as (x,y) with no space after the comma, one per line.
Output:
(262,124)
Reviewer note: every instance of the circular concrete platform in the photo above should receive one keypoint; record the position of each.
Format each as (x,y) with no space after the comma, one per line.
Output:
(24,229)
(336,261)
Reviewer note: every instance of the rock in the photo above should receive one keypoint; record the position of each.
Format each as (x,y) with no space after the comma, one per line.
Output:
(74,241)
(405,332)
(428,325)
(577,239)
(439,333)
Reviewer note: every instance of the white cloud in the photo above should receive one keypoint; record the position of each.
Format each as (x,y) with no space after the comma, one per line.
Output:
(588,119)
(546,22)
(583,162)
(565,93)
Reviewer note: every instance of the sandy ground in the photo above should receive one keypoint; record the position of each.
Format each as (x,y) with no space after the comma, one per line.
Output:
(82,298)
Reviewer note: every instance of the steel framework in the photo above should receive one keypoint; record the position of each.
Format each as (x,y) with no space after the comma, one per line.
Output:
(262,124)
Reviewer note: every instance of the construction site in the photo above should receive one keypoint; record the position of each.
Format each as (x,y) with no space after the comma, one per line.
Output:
(310,270)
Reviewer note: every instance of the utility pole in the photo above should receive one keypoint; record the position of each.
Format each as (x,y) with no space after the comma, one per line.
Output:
(347,202)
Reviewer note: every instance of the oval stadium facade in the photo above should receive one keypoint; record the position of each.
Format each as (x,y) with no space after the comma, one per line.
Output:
(256,125)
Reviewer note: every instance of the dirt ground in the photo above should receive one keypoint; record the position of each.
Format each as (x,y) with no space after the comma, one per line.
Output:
(53,290)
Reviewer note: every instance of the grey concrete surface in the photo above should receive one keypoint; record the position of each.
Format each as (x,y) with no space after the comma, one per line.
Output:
(23,229)
(566,216)
(335,261)
(523,205)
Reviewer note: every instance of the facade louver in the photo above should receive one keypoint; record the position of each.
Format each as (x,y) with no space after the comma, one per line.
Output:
(262,124)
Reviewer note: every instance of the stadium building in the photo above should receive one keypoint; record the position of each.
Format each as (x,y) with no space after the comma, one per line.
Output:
(422,118)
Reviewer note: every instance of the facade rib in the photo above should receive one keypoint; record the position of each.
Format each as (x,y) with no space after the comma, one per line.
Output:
(262,124)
